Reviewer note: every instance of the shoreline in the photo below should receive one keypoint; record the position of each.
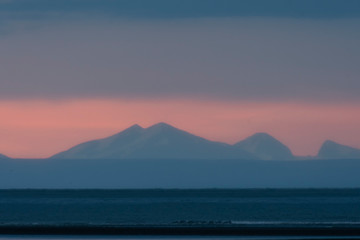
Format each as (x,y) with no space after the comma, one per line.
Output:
(170,230)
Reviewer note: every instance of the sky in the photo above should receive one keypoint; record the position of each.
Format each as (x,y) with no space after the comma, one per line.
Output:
(76,70)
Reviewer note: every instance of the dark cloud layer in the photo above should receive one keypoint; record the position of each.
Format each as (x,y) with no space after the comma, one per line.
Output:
(249,59)
(186,8)
(225,49)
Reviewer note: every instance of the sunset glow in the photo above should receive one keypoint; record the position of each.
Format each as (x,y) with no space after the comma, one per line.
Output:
(77,71)
(41,128)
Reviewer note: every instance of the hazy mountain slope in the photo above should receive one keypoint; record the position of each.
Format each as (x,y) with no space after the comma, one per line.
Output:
(333,150)
(2,156)
(103,147)
(265,147)
(159,141)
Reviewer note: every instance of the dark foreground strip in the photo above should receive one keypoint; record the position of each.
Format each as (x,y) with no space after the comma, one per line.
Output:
(180,230)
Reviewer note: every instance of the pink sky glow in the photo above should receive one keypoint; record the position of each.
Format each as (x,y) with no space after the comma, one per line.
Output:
(41,128)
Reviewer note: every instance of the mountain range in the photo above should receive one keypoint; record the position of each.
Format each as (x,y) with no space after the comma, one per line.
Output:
(163,141)
(160,141)
(139,158)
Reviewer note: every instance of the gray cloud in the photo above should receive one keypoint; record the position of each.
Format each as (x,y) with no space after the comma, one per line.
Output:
(175,9)
(245,59)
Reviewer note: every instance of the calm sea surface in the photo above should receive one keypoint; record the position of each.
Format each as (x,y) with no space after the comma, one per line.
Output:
(179,207)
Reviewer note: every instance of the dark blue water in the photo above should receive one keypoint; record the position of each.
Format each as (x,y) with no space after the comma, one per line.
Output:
(180,207)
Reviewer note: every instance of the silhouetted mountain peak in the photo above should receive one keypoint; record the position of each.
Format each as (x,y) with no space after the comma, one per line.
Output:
(159,141)
(265,147)
(329,143)
(164,130)
(130,131)
(135,126)
(161,126)
(262,136)
(333,150)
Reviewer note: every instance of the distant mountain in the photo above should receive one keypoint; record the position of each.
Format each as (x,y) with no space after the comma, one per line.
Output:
(2,156)
(160,141)
(265,147)
(333,150)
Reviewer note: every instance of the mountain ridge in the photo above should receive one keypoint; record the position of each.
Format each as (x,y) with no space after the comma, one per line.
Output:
(158,141)
(163,140)
(2,156)
(333,150)
(265,147)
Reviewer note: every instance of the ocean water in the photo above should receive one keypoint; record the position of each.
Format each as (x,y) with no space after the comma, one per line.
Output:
(180,207)
(249,207)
